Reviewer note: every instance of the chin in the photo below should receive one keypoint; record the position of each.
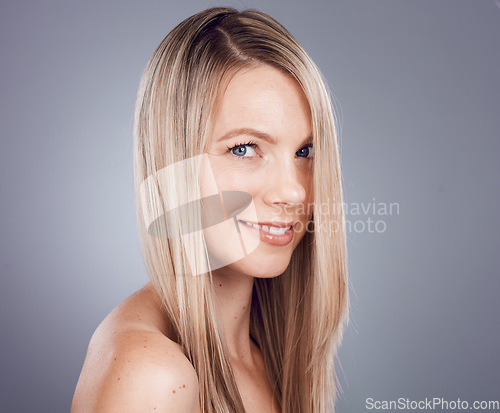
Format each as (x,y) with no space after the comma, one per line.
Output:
(261,265)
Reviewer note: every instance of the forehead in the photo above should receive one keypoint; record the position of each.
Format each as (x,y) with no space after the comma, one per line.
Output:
(263,98)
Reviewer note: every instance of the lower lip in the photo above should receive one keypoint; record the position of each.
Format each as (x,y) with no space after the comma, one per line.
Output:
(272,239)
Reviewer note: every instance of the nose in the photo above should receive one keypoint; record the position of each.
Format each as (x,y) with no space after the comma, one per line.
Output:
(285,184)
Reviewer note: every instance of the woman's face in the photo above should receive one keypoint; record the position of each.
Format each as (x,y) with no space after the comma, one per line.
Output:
(261,144)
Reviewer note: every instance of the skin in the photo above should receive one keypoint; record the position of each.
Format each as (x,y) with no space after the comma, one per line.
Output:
(132,357)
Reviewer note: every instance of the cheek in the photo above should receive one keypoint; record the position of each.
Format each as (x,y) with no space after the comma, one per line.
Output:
(239,182)
(310,198)
(308,184)
(230,175)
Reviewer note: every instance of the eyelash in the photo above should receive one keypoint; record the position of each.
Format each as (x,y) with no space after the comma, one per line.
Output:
(254,145)
(249,143)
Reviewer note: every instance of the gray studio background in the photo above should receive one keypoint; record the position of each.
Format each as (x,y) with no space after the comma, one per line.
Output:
(417,84)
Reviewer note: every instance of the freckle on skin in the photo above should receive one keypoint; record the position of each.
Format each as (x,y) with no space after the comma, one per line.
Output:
(220,285)
(183,386)
(244,307)
(173,391)
(145,346)
(235,317)
(118,379)
(115,358)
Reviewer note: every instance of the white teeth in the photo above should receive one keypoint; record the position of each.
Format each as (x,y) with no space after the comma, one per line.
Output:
(270,229)
(277,231)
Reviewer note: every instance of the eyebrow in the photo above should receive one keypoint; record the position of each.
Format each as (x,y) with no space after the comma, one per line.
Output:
(256,133)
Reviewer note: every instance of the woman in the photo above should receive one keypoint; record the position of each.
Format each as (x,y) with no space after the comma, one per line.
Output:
(247,298)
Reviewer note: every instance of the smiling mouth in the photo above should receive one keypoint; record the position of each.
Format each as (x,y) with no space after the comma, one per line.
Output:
(270,229)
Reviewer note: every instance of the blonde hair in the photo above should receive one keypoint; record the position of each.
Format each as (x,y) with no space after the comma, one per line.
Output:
(298,317)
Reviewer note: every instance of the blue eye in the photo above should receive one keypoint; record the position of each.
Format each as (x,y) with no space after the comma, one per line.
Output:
(306,151)
(241,150)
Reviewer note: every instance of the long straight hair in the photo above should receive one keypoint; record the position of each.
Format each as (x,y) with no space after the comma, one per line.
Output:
(296,318)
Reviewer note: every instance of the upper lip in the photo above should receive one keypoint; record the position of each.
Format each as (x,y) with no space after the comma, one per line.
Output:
(278,224)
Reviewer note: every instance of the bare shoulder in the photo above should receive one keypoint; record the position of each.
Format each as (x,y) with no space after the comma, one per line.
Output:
(132,366)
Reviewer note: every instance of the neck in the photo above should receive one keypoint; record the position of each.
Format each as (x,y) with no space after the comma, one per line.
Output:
(234,297)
